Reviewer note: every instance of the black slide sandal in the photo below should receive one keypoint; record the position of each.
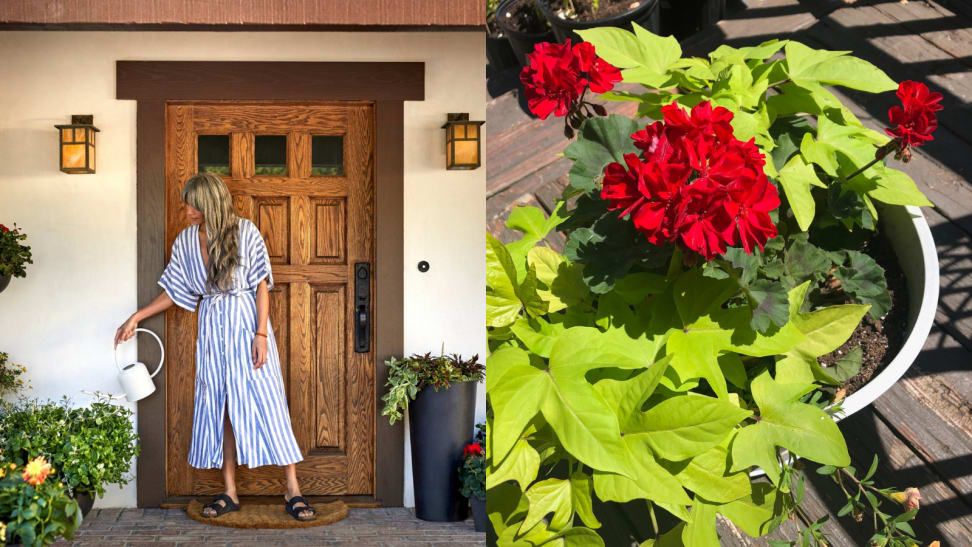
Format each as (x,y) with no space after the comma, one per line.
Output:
(221,510)
(295,511)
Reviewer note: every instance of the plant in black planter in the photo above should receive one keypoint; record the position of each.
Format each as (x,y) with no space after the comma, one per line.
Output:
(10,373)
(568,16)
(35,509)
(499,52)
(443,394)
(13,255)
(472,475)
(524,26)
(88,447)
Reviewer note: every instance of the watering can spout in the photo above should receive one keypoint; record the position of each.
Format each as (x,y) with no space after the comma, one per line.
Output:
(135,378)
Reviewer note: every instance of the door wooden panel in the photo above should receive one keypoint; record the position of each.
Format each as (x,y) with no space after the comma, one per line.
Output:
(316,228)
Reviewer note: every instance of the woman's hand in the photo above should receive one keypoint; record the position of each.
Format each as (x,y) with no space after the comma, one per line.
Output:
(259,352)
(126,331)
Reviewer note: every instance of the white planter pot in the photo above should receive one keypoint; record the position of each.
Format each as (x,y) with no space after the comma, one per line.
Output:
(914,247)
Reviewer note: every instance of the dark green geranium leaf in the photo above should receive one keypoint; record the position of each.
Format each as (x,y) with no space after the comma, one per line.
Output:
(787,132)
(804,260)
(610,249)
(599,142)
(847,367)
(865,280)
(748,263)
(772,306)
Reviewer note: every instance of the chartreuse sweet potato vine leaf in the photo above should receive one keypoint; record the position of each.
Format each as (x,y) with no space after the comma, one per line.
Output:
(562,497)
(520,465)
(758,513)
(535,226)
(504,295)
(685,426)
(644,57)
(784,421)
(805,64)
(825,329)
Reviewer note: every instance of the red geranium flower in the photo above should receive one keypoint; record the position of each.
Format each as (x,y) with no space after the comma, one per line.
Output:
(4,228)
(472,449)
(602,74)
(559,74)
(695,183)
(915,118)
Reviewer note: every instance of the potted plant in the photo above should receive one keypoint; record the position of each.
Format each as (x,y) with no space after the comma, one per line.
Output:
(566,17)
(524,26)
(13,255)
(35,509)
(499,52)
(682,18)
(90,447)
(442,391)
(472,476)
(728,252)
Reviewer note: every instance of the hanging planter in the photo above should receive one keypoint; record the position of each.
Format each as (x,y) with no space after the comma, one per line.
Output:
(568,16)
(14,255)
(524,26)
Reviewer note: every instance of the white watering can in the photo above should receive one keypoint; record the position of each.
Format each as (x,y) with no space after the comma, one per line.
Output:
(135,378)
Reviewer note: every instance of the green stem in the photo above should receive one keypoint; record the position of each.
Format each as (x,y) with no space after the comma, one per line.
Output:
(654,521)
(878,156)
(727,267)
(675,266)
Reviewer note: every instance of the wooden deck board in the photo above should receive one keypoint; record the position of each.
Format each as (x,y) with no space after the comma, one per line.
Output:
(922,427)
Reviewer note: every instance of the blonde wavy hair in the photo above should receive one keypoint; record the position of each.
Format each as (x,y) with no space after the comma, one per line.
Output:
(208,193)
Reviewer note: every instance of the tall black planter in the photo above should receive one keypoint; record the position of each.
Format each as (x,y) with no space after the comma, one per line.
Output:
(440,424)
(4,281)
(521,42)
(478,507)
(85,502)
(647,15)
(499,53)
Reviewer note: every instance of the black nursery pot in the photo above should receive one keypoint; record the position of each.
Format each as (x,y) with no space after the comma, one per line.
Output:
(682,18)
(479,513)
(499,53)
(647,15)
(440,425)
(4,281)
(85,502)
(521,42)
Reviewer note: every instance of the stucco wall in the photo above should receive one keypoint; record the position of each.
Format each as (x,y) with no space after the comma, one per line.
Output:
(60,320)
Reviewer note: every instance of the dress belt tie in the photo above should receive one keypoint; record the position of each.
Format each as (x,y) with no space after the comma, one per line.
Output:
(232,292)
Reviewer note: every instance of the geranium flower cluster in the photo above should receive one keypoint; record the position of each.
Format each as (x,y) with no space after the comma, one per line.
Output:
(558,75)
(694,183)
(915,118)
(472,449)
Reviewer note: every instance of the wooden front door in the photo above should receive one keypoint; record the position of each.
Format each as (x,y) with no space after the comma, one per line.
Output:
(304,174)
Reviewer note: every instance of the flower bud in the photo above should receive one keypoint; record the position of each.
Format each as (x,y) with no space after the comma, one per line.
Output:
(909,499)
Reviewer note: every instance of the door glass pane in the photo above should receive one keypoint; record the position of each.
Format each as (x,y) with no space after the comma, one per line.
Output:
(270,154)
(327,155)
(214,154)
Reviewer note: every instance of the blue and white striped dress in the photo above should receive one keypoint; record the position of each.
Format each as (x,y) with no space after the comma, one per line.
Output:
(225,377)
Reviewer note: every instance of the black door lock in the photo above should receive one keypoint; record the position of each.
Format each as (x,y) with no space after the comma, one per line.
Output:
(362,307)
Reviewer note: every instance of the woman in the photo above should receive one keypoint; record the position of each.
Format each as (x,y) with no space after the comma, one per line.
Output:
(240,410)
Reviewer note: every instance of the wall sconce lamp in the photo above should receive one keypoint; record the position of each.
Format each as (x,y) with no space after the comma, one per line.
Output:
(77,144)
(463,139)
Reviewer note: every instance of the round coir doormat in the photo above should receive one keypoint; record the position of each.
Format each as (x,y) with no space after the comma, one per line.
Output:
(252,515)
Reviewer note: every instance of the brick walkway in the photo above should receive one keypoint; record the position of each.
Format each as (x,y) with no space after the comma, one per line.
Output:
(363,527)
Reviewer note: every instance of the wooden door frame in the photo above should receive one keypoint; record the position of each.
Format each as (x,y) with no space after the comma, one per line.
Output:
(388,84)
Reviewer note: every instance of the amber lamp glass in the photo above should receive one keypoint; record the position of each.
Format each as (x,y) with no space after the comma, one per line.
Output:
(77,145)
(463,139)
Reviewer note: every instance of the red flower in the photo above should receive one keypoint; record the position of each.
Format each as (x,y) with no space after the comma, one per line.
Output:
(602,74)
(472,449)
(4,228)
(695,183)
(915,118)
(558,74)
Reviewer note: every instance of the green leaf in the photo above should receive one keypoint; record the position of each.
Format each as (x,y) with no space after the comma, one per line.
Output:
(516,390)
(757,514)
(580,498)
(772,306)
(577,537)
(535,225)
(804,429)
(652,481)
(701,528)
(733,369)
(629,394)
(864,279)
(549,496)
(600,141)
(502,303)
(537,334)
(685,426)
(520,465)
(707,475)
(847,367)
(804,261)
(897,188)
(564,281)
(835,68)
(626,50)
(797,177)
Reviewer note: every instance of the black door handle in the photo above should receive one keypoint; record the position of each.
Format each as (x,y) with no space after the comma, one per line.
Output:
(362,307)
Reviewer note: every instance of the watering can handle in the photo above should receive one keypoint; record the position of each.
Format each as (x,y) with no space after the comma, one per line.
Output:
(161,352)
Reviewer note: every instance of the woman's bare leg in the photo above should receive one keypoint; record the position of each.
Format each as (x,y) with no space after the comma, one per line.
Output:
(293,489)
(229,464)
